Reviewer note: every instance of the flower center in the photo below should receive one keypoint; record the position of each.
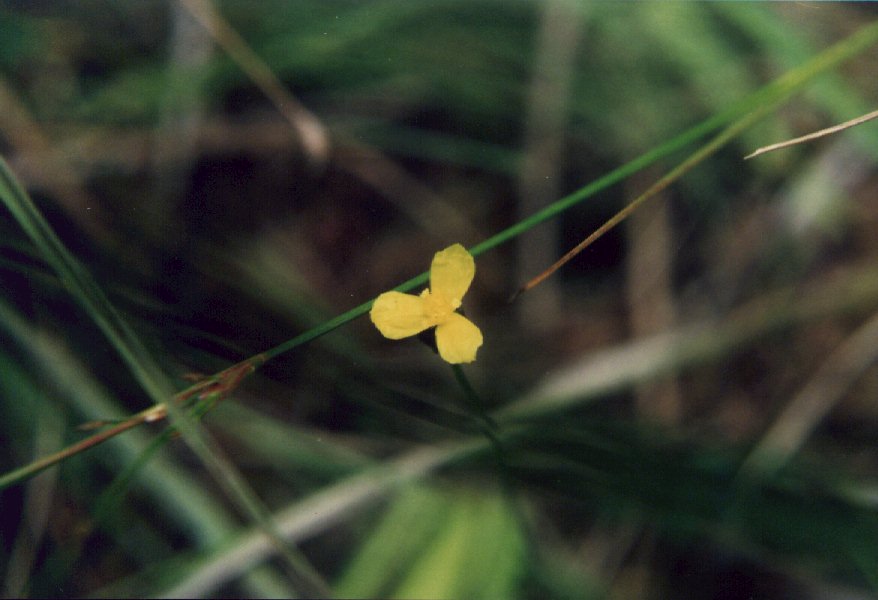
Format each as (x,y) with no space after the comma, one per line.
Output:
(437,307)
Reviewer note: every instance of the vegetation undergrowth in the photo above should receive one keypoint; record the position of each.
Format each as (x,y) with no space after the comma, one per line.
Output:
(544,445)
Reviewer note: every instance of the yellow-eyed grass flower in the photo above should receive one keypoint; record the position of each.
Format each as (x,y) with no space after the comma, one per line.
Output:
(398,315)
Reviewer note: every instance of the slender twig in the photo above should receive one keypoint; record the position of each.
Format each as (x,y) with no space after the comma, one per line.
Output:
(659,186)
(815,135)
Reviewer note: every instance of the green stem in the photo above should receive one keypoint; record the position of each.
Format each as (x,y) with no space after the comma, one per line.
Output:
(37,466)
(488,426)
(474,404)
(340,320)
(492,432)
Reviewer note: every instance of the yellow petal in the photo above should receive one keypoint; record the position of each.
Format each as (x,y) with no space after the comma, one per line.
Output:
(451,273)
(398,315)
(458,339)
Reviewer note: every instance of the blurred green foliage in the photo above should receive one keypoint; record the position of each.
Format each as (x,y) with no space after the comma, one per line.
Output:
(205,236)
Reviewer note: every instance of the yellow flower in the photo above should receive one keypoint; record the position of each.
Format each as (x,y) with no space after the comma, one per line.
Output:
(398,315)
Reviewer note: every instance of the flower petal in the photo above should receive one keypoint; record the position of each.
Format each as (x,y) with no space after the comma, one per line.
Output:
(458,339)
(398,315)
(451,273)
